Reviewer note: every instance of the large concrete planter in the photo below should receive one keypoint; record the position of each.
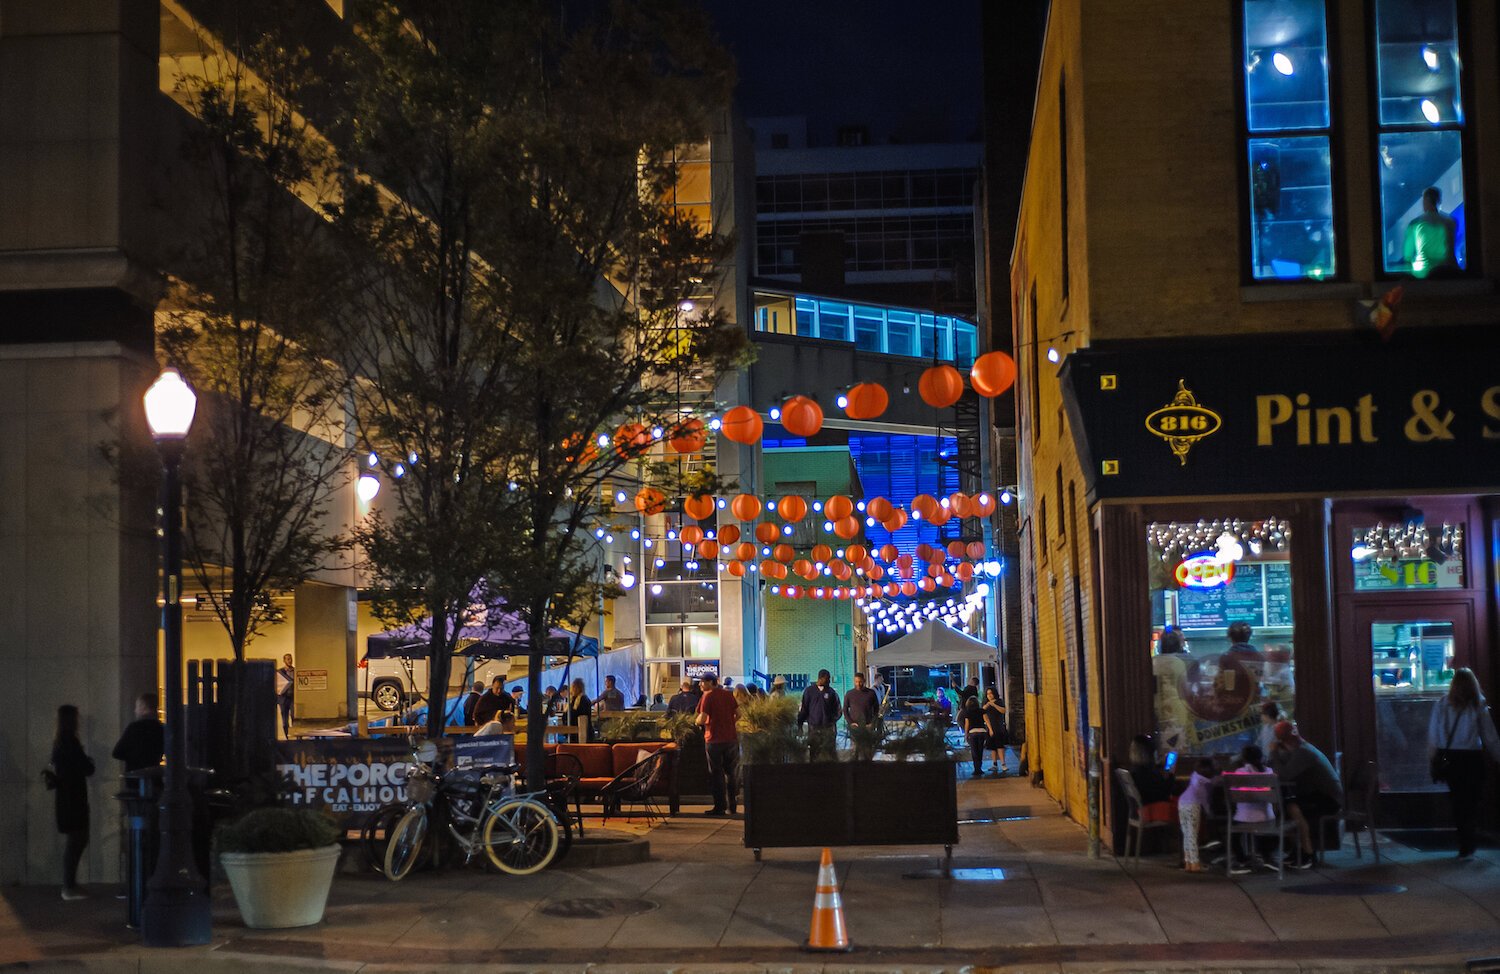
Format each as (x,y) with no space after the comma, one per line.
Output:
(281,889)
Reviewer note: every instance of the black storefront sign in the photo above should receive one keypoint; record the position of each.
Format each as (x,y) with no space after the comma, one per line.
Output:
(1279,414)
(347,777)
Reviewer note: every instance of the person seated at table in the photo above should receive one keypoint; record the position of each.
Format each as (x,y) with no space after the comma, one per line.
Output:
(1153,784)
(1192,807)
(658,705)
(941,708)
(1317,792)
(578,711)
(1251,761)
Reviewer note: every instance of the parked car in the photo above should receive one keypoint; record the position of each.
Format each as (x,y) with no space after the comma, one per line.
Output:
(394,682)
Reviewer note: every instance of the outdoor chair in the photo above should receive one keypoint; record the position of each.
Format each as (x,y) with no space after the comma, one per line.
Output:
(1361,796)
(635,785)
(1135,825)
(564,771)
(1257,789)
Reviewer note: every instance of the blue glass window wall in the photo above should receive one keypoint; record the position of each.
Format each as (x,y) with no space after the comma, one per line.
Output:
(876,328)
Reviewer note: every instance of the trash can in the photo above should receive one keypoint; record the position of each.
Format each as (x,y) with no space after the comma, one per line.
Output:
(140,798)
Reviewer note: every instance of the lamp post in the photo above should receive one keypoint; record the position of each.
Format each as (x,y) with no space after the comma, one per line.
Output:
(176,911)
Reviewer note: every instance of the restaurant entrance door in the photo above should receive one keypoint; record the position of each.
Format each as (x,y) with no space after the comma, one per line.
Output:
(1410,651)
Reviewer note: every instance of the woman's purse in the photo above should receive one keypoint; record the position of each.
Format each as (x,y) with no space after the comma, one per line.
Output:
(1442,761)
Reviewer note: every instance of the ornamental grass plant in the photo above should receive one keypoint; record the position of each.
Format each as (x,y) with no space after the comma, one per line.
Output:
(276,830)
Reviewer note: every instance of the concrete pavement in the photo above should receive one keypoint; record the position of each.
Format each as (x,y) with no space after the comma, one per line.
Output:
(704,904)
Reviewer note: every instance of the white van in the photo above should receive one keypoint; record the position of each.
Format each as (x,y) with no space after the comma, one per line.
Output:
(395,682)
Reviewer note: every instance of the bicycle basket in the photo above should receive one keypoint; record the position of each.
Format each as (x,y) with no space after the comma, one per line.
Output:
(421,784)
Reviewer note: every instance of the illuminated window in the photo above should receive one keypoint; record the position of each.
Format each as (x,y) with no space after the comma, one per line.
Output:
(871,328)
(1289,157)
(1421,151)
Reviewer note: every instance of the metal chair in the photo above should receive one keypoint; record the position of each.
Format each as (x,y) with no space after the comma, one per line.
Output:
(1361,796)
(1257,789)
(635,785)
(1135,822)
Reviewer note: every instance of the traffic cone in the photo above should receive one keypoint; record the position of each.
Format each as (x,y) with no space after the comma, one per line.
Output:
(828,933)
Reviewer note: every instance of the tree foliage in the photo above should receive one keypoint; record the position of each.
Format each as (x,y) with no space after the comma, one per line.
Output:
(524,274)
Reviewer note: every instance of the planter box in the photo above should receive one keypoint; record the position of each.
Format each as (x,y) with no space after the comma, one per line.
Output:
(851,803)
(276,890)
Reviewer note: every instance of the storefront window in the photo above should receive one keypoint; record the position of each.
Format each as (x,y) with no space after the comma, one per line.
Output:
(1412,666)
(1407,556)
(1291,207)
(1221,638)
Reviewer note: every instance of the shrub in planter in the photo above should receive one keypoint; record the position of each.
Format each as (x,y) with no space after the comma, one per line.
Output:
(769,733)
(280,863)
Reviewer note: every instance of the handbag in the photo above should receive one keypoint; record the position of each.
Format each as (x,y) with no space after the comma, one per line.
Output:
(1442,763)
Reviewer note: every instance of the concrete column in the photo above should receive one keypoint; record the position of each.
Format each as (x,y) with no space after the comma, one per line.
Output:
(325,650)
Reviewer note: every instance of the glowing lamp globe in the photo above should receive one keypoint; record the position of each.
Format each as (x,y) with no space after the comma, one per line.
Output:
(367,488)
(170,405)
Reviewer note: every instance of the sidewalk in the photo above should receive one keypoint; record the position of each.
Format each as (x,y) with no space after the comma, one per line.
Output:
(703,904)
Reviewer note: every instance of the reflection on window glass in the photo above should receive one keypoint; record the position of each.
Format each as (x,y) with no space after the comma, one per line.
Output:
(1407,555)
(1291,208)
(1422,202)
(1286,65)
(833,320)
(1417,61)
(1412,666)
(1221,632)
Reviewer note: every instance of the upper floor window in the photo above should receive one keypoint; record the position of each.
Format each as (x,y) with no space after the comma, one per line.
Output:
(871,328)
(1421,119)
(1288,121)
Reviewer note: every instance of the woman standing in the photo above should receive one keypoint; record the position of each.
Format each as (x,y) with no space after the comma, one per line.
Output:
(68,775)
(971,719)
(579,710)
(1458,734)
(994,720)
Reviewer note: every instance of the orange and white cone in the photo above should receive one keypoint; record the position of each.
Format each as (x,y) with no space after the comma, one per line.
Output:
(828,932)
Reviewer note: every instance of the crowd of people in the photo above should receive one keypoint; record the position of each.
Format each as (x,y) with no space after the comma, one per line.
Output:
(1460,734)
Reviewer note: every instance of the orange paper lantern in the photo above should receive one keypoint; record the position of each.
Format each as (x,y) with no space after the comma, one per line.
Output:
(735,568)
(803,567)
(801,416)
(956,549)
(880,509)
(926,585)
(784,552)
(857,554)
(909,589)
(768,567)
(744,551)
(766,532)
(975,550)
(958,503)
(926,552)
(579,449)
(945,580)
(940,516)
(992,374)
(746,507)
(692,534)
(729,534)
(792,508)
(847,528)
(925,505)
(838,507)
(904,562)
(708,548)
(631,440)
(649,500)
(867,400)
(983,505)
(934,569)
(965,571)
(888,552)
(822,553)
(896,521)
(892,589)
(876,572)
(941,386)
(689,436)
(699,507)
(742,425)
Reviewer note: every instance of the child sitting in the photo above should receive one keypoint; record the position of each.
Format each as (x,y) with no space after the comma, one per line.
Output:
(1251,761)
(1191,806)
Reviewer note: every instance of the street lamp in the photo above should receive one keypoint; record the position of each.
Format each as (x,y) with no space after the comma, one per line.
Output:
(176,911)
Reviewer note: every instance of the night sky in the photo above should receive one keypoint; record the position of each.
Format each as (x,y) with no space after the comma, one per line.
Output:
(909,72)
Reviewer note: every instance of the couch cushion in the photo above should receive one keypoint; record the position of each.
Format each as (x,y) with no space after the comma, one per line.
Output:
(626,755)
(596,759)
(521,753)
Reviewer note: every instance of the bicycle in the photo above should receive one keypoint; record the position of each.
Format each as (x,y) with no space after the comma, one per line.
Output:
(518,833)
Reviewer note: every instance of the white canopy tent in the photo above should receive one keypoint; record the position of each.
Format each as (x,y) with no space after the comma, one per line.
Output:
(935,644)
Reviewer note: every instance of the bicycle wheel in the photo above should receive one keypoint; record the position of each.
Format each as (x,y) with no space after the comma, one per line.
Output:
(375,837)
(521,836)
(405,843)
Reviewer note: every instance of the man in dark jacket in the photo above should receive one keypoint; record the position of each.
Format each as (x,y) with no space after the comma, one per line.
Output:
(820,712)
(142,744)
(861,710)
(493,703)
(471,700)
(683,702)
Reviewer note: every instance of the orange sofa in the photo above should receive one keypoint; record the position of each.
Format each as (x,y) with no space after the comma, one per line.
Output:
(598,764)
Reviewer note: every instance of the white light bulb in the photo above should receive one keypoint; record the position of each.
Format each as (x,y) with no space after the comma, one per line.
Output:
(656,589)
(367,488)
(1430,111)
(603,439)
(714,424)
(843,401)
(627,581)
(1430,57)
(787,530)
(775,413)
(371,460)
(657,432)
(1053,355)
(1283,63)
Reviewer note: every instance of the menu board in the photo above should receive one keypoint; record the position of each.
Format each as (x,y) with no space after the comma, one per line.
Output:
(1260,594)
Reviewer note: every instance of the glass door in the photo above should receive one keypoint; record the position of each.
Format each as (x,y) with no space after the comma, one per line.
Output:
(1413,650)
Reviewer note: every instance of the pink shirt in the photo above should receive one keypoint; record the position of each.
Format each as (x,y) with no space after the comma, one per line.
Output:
(1196,792)
(1251,813)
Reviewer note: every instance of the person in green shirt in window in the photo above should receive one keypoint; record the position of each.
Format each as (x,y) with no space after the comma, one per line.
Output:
(1431,238)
